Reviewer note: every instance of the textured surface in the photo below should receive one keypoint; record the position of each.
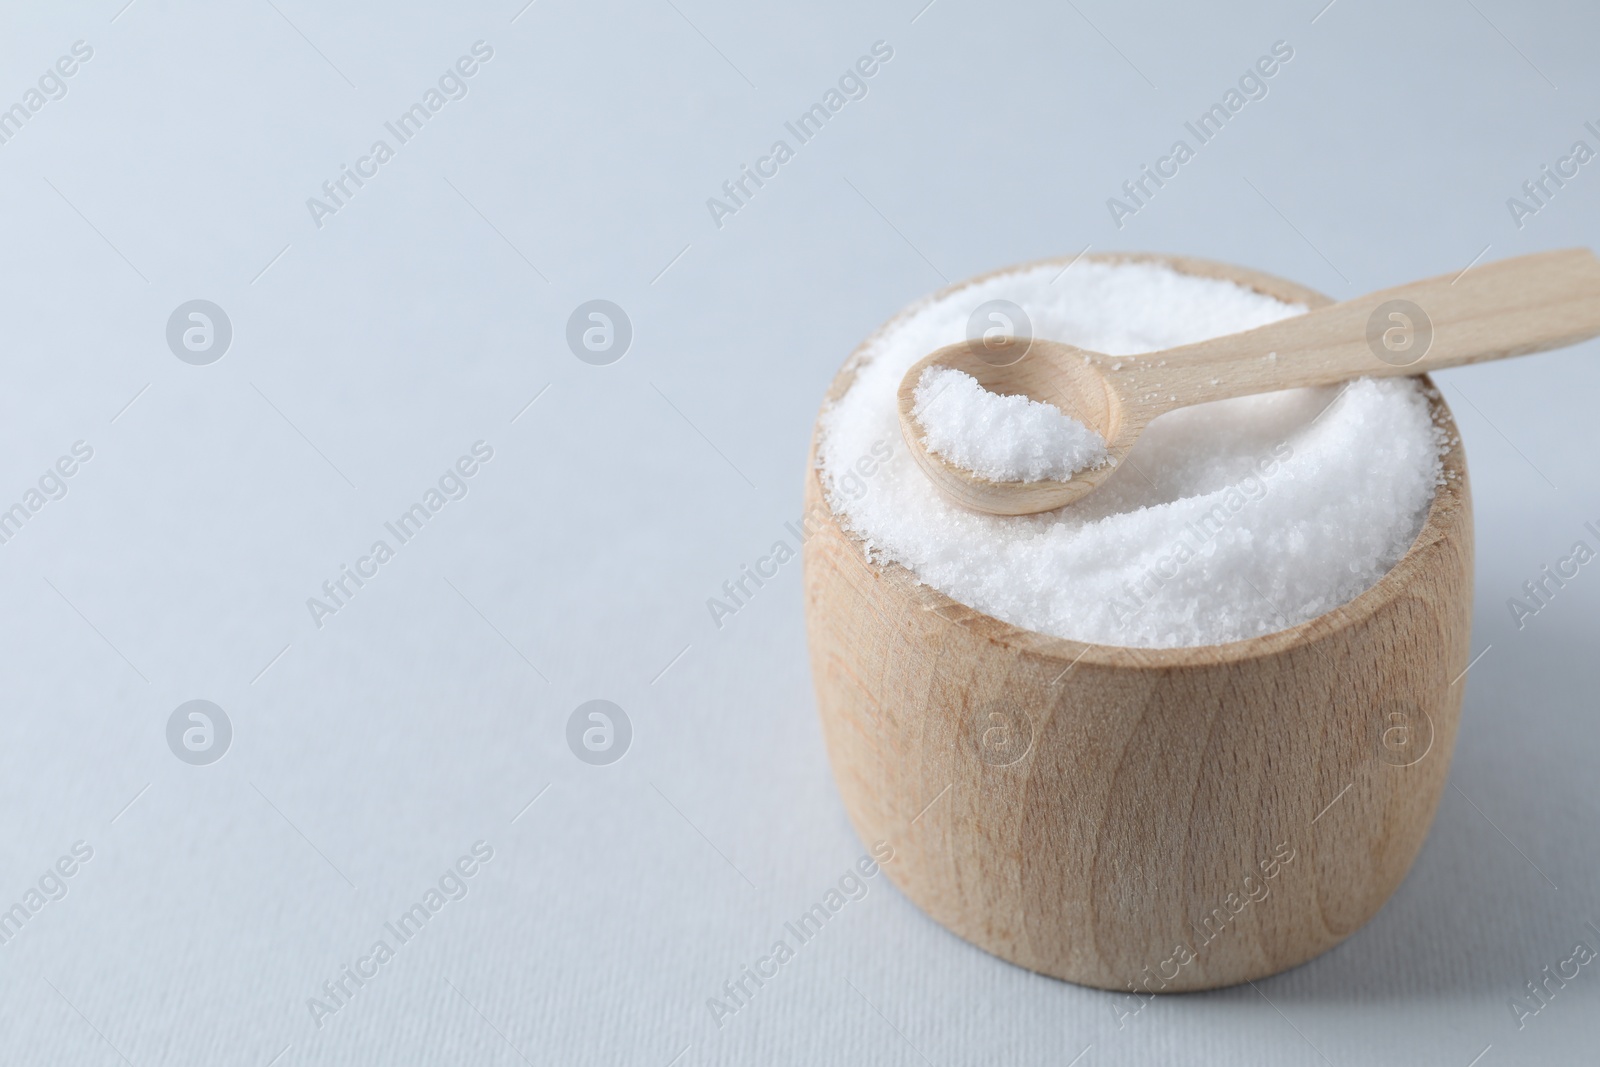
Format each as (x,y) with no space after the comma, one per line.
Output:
(407,328)
(1228,520)
(1005,438)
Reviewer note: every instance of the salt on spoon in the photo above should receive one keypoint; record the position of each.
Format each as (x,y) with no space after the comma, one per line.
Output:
(1510,308)
(1002,438)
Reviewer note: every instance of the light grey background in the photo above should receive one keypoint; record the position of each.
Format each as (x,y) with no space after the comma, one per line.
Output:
(368,354)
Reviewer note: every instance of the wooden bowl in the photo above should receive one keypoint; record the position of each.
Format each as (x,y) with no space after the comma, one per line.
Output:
(1134,818)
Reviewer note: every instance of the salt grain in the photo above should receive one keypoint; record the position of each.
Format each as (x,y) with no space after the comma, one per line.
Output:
(1227,520)
(1002,438)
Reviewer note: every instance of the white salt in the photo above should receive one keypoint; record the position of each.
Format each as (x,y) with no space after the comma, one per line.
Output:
(1226,521)
(1002,438)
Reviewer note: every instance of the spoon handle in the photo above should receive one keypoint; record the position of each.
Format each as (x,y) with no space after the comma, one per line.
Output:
(1509,308)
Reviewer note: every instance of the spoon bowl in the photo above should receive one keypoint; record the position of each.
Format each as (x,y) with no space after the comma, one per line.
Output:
(1072,379)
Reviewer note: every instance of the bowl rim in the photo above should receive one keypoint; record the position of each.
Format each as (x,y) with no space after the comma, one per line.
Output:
(1452,495)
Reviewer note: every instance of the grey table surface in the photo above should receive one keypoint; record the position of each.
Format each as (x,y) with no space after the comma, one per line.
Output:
(375,340)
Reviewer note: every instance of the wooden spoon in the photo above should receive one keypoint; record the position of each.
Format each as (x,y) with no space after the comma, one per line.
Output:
(1510,308)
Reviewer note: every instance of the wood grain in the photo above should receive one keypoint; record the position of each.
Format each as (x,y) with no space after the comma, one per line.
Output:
(1109,815)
